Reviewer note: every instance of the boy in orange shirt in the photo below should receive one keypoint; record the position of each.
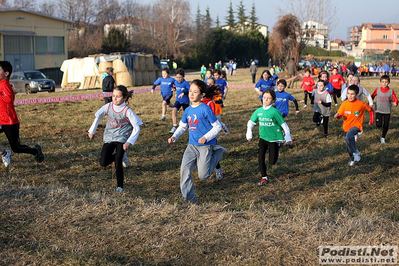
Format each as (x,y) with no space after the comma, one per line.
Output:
(353,113)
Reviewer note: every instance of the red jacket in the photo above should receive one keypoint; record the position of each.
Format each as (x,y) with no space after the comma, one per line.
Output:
(337,81)
(210,103)
(8,116)
(307,84)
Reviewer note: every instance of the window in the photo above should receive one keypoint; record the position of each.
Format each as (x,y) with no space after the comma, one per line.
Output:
(397,36)
(385,37)
(49,45)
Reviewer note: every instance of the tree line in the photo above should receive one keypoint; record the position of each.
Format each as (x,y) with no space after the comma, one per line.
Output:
(163,27)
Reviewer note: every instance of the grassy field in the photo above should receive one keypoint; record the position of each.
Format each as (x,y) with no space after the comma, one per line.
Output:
(65,211)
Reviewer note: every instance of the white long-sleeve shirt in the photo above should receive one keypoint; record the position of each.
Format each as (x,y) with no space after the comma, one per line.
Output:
(133,118)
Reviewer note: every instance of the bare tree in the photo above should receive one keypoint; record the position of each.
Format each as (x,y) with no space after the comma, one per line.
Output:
(129,8)
(108,10)
(27,4)
(317,10)
(174,14)
(51,8)
(286,40)
(4,3)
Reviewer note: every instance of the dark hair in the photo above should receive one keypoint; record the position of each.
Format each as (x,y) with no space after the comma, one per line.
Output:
(282,81)
(385,77)
(201,85)
(125,92)
(325,82)
(110,69)
(7,67)
(166,69)
(209,91)
(308,70)
(218,71)
(223,74)
(265,71)
(354,88)
(212,78)
(210,70)
(323,72)
(271,92)
(180,71)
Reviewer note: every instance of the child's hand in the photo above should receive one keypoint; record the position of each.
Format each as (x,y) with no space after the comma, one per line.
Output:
(260,93)
(202,140)
(337,116)
(395,104)
(249,140)
(171,140)
(91,136)
(289,143)
(126,146)
(152,91)
(181,95)
(297,112)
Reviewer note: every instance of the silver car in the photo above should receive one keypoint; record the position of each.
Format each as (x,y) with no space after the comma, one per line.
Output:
(31,81)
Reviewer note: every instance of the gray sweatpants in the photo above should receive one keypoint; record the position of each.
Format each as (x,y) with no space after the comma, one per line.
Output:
(205,158)
(350,141)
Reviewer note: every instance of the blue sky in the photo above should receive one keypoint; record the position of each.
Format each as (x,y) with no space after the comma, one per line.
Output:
(349,13)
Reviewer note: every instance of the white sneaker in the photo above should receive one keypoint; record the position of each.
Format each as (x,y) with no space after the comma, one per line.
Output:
(172,130)
(119,190)
(163,118)
(305,106)
(125,160)
(6,158)
(336,104)
(382,140)
(351,163)
(356,157)
(219,173)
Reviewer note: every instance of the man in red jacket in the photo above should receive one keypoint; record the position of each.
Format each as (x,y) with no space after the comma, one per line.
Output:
(9,123)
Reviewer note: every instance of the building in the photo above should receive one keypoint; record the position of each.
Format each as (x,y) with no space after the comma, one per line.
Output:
(261,28)
(32,40)
(316,34)
(379,36)
(354,35)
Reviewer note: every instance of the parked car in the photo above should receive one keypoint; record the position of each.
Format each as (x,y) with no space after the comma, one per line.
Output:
(165,63)
(31,81)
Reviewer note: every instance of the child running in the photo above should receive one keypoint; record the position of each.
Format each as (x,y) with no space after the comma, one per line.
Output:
(385,97)
(307,85)
(271,128)
(167,84)
(121,131)
(202,151)
(353,112)
(222,83)
(218,101)
(182,87)
(265,82)
(322,106)
(283,98)
(9,123)
(336,80)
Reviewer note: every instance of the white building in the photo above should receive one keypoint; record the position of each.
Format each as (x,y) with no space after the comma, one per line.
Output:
(316,34)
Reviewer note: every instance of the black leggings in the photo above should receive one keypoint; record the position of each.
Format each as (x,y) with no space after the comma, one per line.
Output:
(310,97)
(273,154)
(108,156)
(317,119)
(337,93)
(12,134)
(382,120)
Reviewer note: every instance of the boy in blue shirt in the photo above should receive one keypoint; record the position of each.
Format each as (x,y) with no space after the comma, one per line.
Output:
(283,98)
(181,87)
(202,151)
(167,84)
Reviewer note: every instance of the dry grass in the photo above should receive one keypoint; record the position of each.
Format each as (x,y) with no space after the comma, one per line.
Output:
(65,211)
